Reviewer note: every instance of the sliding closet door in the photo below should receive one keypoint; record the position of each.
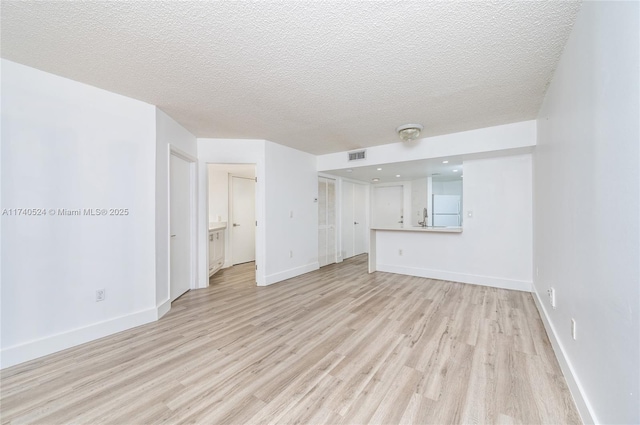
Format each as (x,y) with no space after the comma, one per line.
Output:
(326,221)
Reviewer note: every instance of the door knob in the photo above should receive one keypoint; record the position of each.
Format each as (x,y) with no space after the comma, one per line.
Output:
(235,225)
(355,222)
(173,236)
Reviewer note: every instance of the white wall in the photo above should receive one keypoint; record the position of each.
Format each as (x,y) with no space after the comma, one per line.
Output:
(168,133)
(69,145)
(587,211)
(495,247)
(291,189)
(218,178)
(485,140)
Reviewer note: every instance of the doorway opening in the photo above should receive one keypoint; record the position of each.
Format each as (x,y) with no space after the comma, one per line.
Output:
(231,215)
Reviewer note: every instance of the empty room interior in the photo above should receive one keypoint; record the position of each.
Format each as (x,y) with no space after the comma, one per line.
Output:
(339,212)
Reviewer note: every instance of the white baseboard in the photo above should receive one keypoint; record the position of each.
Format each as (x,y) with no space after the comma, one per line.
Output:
(496,282)
(582,403)
(11,356)
(163,308)
(288,274)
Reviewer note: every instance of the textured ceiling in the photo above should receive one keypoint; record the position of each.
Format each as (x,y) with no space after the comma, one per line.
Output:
(318,76)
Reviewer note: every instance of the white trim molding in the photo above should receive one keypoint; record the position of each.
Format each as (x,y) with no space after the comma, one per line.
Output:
(495,282)
(288,274)
(33,349)
(163,308)
(579,397)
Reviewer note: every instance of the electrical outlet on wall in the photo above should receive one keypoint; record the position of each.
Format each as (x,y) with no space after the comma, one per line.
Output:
(400,252)
(290,254)
(101,294)
(552,297)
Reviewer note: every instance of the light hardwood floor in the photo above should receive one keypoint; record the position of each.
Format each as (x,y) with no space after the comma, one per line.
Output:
(336,346)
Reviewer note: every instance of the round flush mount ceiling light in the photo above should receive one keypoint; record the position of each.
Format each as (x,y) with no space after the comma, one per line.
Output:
(409,131)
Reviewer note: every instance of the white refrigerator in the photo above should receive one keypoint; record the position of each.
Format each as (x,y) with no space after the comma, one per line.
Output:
(445,210)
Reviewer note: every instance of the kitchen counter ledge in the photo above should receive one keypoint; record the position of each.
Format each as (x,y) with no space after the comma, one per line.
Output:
(217,225)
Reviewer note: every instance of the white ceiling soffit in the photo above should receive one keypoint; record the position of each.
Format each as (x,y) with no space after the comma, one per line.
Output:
(419,168)
(408,170)
(321,77)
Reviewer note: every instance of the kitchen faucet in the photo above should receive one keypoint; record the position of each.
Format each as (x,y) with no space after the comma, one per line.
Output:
(423,223)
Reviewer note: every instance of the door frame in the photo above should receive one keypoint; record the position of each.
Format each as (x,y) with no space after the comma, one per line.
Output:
(230,208)
(193,218)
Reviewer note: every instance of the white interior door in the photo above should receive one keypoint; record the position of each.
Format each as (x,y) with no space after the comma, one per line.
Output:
(326,221)
(354,217)
(360,230)
(243,220)
(322,222)
(347,219)
(180,225)
(387,210)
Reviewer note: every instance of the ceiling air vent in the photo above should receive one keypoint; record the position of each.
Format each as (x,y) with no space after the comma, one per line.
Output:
(354,156)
